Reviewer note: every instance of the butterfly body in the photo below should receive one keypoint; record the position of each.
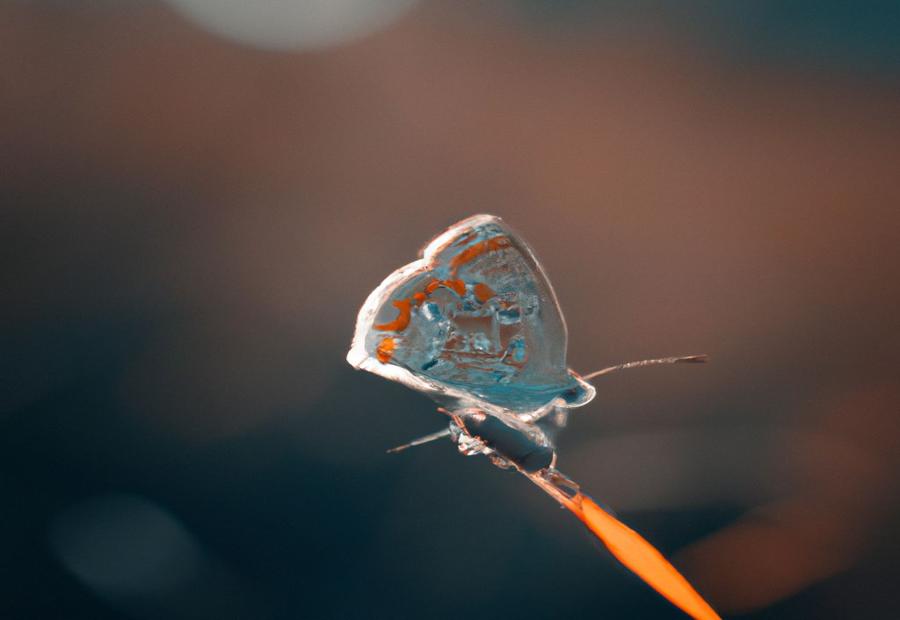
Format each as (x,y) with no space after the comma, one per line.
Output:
(525,447)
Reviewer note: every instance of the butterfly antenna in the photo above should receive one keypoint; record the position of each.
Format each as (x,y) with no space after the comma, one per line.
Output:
(418,442)
(681,359)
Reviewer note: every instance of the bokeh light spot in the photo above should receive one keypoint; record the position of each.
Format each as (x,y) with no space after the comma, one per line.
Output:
(292,24)
(124,544)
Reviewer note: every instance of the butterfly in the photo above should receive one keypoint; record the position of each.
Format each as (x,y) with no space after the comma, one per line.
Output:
(475,324)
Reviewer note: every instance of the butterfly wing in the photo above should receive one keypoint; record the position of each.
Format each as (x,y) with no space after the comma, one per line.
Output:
(631,549)
(474,319)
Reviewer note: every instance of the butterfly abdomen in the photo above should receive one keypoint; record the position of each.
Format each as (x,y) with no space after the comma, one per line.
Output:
(513,444)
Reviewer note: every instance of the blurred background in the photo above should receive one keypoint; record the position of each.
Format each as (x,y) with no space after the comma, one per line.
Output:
(198,195)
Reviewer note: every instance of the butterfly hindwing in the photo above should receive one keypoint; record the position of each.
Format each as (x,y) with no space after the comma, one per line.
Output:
(475,316)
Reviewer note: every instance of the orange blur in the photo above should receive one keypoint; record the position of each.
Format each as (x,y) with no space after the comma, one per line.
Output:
(642,558)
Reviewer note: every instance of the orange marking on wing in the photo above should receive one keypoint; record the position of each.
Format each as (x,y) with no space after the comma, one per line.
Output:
(641,557)
(402,320)
(385,350)
(405,305)
(483,292)
(473,251)
(498,243)
(432,286)
(458,286)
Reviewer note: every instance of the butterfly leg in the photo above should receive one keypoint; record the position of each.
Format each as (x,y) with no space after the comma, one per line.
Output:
(421,440)
(467,443)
